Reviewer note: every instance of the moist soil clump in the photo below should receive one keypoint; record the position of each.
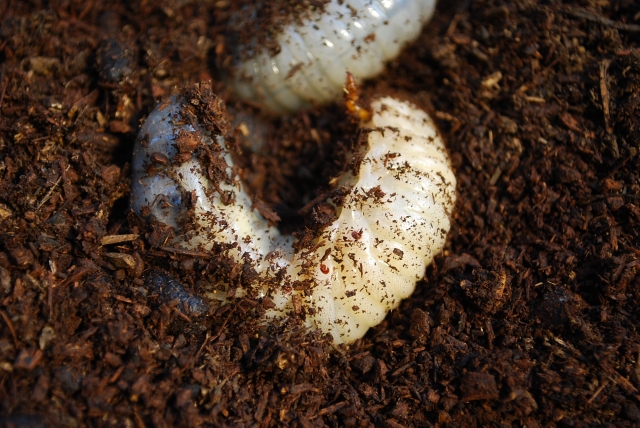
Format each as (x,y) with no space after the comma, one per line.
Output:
(529,317)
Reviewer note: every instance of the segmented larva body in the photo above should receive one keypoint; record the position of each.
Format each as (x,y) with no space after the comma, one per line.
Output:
(222,210)
(357,36)
(393,220)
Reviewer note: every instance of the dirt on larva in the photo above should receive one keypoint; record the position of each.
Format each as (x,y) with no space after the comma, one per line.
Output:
(528,318)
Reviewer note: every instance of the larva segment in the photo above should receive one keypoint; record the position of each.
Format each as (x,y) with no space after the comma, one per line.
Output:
(392,221)
(356,36)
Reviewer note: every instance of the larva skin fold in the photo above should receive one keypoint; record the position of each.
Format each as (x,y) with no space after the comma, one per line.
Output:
(358,36)
(393,219)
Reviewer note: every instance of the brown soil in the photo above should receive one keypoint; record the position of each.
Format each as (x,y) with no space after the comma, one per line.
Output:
(529,318)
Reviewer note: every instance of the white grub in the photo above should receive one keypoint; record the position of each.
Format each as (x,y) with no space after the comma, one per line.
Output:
(393,220)
(358,36)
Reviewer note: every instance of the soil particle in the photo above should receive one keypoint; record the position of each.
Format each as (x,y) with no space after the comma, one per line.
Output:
(478,386)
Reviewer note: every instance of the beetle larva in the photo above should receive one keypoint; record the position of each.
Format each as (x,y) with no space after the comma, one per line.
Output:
(393,219)
(357,36)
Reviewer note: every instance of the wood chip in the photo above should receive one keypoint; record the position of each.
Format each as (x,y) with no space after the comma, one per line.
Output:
(604,93)
(116,239)
(124,261)
(122,299)
(5,212)
(538,100)
(331,409)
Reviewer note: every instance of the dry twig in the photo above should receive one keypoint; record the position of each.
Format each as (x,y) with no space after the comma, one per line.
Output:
(590,16)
